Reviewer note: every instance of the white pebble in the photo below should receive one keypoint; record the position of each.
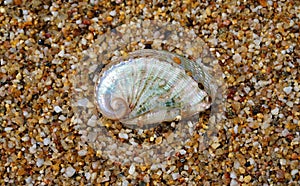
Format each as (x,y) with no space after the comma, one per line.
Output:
(138,160)
(2,10)
(251,160)
(95,165)
(6,2)
(125,183)
(61,53)
(235,129)
(113,13)
(154,167)
(146,178)
(94,176)
(46,141)
(234,183)
(131,169)
(275,111)
(7,129)
(237,58)
(83,41)
(92,121)
(25,138)
(82,152)
(256,144)
(28,180)
(236,164)
(2,62)
(78,22)
(287,90)
(132,142)
(82,102)
(173,124)
(70,171)
(60,25)
(39,162)
(92,136)
(294,172)
(233,175)
(57,109)
(182,152)
(186,167)
(25,113)
(107,173)
(295,121)
(285,132)
(257,42)
(282,161)
(32,149)
(290,103)
(87,175)
(123,135)
(62,118)
(172,168)
(175,176)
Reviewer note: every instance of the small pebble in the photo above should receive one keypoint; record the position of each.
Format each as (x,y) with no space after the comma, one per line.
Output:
(112,13)
(70,171)
(92,121)
(62,118)
(215,145)
(294,172)
(175,176)
(7,129)
(237,58)
(233,175)
(83,102)
(57,109)
(242,170)
(123,135)
(285,132)
(233,182)
(235,129)
(46,141)
(6,2)
(39,162)
(182,152)
(125,183)
(83,41)
(287,90)
(82,152)
(28,180)
(87,175)
(107,173)
(282,161)
(290,104)
(131,170)
(247,179)
(25,138)
(275,111)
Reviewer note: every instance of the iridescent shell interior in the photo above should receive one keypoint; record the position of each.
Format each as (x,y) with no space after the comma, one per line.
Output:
(151,87)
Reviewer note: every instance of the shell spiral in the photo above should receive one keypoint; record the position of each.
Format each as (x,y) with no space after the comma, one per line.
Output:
(151,87)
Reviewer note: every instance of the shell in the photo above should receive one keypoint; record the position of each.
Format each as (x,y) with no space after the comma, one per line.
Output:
(151,87)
